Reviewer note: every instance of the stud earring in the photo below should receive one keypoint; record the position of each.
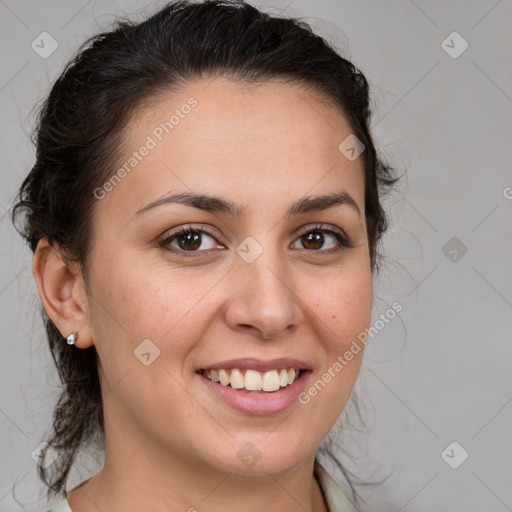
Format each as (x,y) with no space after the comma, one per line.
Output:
(72,338)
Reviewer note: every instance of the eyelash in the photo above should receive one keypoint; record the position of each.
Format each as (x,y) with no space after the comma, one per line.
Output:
(343,242)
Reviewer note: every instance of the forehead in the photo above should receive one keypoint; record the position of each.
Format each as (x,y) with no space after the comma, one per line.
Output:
(237,138)
(238,112)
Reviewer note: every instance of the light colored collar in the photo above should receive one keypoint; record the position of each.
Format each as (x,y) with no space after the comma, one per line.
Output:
(62,506)
(334,496)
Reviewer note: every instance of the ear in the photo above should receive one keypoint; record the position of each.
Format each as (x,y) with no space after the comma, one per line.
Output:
(62,292)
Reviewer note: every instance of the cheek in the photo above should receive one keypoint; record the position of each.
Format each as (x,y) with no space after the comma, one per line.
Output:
(147,304)
(343,307)
(128,307)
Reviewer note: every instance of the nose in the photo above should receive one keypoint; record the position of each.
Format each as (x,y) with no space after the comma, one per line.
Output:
(263,300)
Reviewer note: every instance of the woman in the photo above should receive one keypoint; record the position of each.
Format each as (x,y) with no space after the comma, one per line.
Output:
(204,213)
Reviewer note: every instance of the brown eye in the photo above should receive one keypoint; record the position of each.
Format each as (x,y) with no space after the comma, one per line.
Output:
(190,240)
(322,240)
(312,240)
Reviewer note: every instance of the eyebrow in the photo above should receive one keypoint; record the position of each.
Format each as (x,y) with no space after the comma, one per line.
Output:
(217,205)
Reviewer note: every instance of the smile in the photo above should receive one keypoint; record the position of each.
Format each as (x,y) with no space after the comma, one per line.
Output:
(253,380)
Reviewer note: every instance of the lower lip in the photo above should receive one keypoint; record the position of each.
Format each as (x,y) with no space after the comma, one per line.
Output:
(258,402)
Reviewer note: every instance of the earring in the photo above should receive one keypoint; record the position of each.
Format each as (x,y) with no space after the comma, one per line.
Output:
(72,338)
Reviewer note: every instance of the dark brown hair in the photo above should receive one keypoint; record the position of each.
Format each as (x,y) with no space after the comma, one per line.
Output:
(84,118)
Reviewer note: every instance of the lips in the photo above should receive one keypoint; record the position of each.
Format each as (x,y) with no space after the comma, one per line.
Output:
(256,386)
(263,401)
(250,363)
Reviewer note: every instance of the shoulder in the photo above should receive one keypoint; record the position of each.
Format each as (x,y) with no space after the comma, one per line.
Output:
(334,496)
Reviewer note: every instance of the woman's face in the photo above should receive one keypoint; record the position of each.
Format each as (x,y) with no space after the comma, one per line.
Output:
(246,288)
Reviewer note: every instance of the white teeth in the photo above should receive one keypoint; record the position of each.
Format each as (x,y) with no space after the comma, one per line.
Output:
(254,380)
(223,377)
(271,381)
(237,379)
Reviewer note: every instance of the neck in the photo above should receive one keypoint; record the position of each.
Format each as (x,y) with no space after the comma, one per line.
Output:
(138,476)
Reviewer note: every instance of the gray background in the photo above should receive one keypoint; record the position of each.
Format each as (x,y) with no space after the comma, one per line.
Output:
(441,372)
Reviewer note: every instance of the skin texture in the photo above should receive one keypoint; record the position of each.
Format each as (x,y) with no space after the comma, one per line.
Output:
(170,444)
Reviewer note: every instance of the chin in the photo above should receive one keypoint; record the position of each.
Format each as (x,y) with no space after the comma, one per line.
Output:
(260,457)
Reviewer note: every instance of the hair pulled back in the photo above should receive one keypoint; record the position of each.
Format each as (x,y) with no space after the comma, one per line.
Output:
(79,133)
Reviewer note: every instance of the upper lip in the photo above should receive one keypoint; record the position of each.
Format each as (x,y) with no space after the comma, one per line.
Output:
(251,363)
